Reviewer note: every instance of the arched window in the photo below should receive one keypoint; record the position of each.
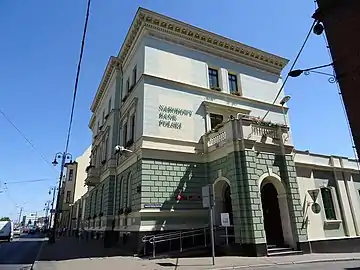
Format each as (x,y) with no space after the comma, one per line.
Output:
(121,193)
(95,204)
(129,190)
(328,202)
(102,198)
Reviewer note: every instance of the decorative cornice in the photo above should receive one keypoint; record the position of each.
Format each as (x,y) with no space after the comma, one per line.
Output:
(146,19)
(111,65)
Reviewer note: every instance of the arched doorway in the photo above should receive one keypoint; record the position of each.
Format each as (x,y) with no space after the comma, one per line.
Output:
(223,204)
(272,216)
(227,203)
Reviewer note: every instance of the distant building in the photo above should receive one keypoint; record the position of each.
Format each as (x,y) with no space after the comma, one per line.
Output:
(73,187)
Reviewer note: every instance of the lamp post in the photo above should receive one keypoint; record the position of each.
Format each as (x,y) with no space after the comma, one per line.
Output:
(297,72)
(63,156)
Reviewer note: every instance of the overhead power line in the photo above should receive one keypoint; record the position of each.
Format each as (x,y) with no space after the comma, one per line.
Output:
(29,181)
(25,138)
(292,67)
(77,77)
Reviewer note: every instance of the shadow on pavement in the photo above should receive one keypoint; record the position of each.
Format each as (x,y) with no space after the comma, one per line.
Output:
(70,248)
(23,250)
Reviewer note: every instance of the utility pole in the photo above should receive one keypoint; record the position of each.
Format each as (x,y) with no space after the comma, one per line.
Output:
(21,210)
(64,156)
(53,189)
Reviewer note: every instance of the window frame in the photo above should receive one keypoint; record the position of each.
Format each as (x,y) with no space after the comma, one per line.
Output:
(233,78)
(68,196)
(134,74)
(124,132)
(211,120)
(71,175)
(132,127)
(328,203)
(212,76)
(129,190)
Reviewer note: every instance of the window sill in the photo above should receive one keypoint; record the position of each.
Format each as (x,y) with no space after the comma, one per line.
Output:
(332,222)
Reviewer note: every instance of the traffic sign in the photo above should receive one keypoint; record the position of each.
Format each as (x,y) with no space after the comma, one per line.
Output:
(225,219)
(313,194)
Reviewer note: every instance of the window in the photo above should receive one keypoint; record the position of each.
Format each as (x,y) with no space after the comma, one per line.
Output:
(213,78)
(134,76)
(129,190)
(328,202)
(109,108)
(102,198)
(103,117)
(132,128)
(125,133)
(106,148)
(216,119)
(98,126)
(233,85)
(95,202)
(128,85)
(68,195)
(71,174)
(121,192)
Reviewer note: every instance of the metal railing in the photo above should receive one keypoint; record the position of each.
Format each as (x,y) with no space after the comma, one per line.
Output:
(172,237)
(198,238)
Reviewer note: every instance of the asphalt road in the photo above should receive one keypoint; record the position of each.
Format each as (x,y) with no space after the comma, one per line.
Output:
(20,253)
(349,265)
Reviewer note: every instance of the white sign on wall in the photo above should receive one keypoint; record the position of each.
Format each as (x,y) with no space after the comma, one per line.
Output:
(225,219)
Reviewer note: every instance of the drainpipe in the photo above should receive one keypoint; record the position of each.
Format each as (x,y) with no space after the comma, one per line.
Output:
(348,194)
(338,194)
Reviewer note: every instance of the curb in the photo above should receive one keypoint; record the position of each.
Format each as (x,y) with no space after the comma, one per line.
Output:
(288,263)
(37,256)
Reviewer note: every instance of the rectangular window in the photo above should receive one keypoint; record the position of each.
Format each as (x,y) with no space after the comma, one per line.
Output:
(328,202)
(213,78)
(68,195)
(134,75)
(109,108)
(71,174)
(216,119)
(125,127)
(128,85)
(132,128)
(98,126)
(233,85)
(103,117)
(106,148)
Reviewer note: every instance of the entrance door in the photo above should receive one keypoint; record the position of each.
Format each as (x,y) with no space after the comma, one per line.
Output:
(272,218)
(227,203)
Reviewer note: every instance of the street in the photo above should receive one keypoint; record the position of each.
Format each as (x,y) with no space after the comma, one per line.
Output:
(20,253)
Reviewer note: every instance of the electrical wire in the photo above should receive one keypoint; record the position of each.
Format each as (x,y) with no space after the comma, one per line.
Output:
(25,138)
(77,78)
(291,68)
(29,181)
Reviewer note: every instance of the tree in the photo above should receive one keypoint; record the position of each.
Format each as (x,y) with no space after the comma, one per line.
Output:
(5,219)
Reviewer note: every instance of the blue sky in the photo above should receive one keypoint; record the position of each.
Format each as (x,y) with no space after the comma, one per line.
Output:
(39,48)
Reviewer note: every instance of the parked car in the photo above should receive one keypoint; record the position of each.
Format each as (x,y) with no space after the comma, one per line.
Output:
(6,230)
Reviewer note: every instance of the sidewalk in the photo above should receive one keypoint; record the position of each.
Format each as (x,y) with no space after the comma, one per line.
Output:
(68,253)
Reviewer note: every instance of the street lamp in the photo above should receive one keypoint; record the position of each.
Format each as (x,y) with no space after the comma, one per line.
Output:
(282,103)
(64,157)
(297,72)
